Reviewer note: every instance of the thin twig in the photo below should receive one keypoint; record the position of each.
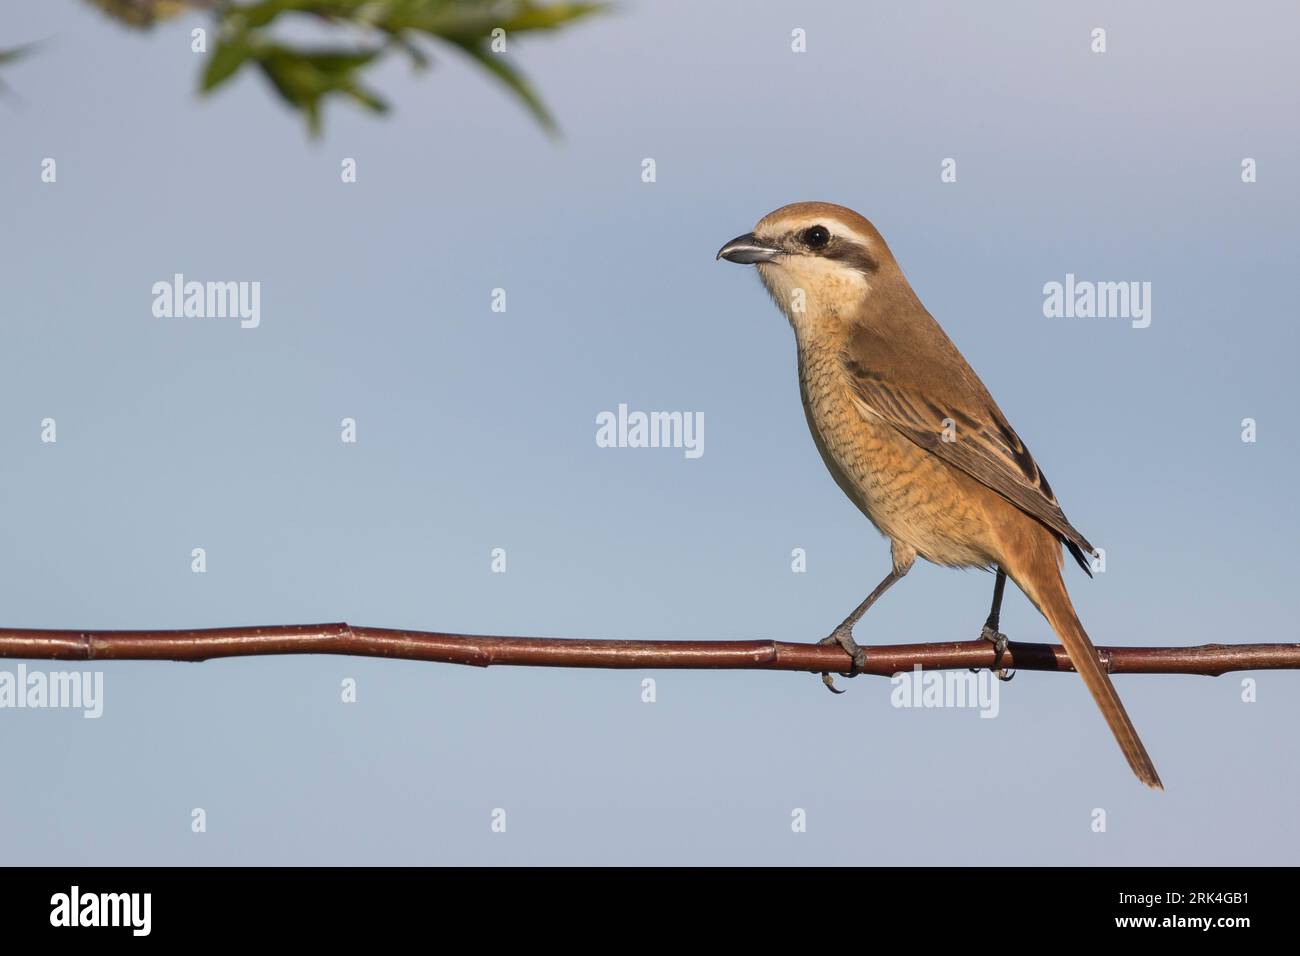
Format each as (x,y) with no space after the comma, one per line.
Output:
(484,651)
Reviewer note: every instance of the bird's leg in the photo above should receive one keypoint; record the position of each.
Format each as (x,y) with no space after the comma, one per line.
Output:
(843,635)
(991,633)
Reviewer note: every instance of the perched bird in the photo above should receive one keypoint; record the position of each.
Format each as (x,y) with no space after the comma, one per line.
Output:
(913,437)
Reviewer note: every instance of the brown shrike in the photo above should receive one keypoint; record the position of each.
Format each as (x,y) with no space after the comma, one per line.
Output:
(913,437)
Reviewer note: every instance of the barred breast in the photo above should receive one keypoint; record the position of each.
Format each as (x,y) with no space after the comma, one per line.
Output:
(912,497)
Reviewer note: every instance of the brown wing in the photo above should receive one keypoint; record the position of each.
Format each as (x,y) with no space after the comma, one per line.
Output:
(936,400)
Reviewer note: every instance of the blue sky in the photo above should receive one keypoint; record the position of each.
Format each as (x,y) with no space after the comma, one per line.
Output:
(476,430)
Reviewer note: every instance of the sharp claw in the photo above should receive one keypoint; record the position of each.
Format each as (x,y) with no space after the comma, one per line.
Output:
(829,681)
(850,647)
(1000,647)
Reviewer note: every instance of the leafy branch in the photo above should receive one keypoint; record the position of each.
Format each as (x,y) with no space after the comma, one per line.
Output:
(305,77)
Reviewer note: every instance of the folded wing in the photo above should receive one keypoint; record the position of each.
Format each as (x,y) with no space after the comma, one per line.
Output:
(956,420)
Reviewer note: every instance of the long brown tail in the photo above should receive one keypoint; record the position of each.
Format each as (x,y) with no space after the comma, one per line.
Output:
(1048,592)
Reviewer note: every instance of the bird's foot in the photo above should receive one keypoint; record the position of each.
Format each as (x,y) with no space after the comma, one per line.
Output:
(999,642)
(843,636)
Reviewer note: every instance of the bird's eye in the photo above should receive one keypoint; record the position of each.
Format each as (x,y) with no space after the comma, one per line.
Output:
(816,236)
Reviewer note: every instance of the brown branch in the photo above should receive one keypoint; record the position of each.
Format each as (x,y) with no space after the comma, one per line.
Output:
(483,651)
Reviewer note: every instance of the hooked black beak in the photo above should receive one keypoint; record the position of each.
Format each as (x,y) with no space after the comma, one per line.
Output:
(747,250)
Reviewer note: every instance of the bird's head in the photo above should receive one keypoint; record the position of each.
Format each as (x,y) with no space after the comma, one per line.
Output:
(817,259)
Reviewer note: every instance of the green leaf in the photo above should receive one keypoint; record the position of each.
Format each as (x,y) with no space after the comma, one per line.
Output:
(13,54)
(260,14)
(142,13)
(305,79)
(465,19)
(511,77)
(16,53)
(552,17)
(225,61)
(469,26)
